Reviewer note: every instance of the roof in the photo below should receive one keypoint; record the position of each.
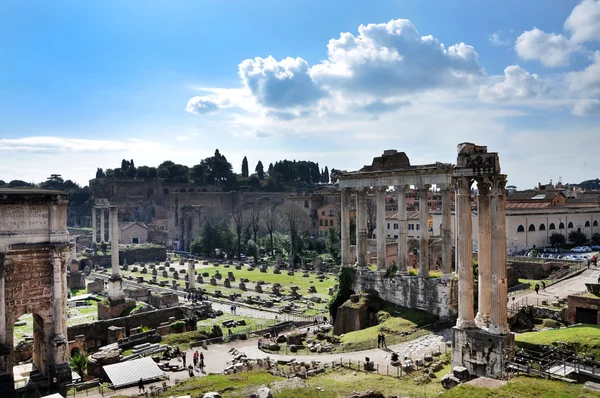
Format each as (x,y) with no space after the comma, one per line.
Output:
(129,373)
(528,205)
(532,194)
(410,215)
(125,225)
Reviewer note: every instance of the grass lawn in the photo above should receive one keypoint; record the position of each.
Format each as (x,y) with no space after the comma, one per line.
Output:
(524,387)
(584,339)
(251,323)
(392,321)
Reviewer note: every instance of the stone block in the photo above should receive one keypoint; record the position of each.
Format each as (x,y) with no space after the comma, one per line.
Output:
(242,286)
(449,381)
(213,281)
(199,279)
(165,274)
(175,275)
(480,352)
(312,289)
(227,283)
(258,288)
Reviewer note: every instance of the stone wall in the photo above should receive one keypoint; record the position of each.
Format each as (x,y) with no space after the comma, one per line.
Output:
(163,300)
(96,333)
(532,270)
(142,254)
(574,302)
(114,310)
(434,295)
(550,313)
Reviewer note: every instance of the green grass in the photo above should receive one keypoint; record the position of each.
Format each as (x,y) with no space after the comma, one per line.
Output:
(392,321)
(251,323)
(524,387)
(585,339)
(533,282)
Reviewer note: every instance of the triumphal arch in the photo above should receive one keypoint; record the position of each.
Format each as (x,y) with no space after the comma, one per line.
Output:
(34,248)
(482,341)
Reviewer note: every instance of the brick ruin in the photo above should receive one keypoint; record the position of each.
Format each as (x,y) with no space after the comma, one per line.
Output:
(34,250)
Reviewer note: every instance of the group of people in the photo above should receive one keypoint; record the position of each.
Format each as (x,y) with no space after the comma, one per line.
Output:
(194,297)
(381,340)
(593,260)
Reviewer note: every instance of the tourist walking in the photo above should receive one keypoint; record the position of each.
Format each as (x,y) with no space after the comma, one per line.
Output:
(537,288)
(379,340)
(183,356)
(201,358)
(543,286)
(195,359)
(141,386)
(383,343)
(191,371)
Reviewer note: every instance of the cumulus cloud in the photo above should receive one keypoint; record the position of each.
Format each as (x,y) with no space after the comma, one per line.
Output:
(584,22)
(517,84)
(280,84)
(552,50)
(498,39)
(587,80)
(587,107)
(58,144)
(200,105)
(391,59)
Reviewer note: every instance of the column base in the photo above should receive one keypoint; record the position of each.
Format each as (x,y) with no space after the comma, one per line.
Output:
(423,274)
(465,324)
(482,320)
(115,288)
(400,274)
(499,330)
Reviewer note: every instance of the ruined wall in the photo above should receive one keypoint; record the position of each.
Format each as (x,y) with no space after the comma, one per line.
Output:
(143,254)
(96,333)
(433,295)
(574,302)
(530,270)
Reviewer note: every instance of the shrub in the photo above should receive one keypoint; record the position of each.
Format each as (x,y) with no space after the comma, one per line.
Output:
(345,280)
(178,326)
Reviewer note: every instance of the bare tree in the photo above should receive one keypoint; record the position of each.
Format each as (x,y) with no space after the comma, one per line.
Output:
(254,219)
(270,218)
(238,217)
(295,220)
(371,217)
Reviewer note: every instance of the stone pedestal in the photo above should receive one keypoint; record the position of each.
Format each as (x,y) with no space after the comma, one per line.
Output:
(483,354)
(115,288)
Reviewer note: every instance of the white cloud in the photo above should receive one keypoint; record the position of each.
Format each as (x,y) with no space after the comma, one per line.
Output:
(200,105)
(391,58)
(552,50)
(498,39)
(587,80)
(58,144)
(280,84)
(587,107)
(584,22)
(517,84)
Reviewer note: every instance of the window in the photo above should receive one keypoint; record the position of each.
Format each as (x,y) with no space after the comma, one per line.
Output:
(326,223)
(331,212)
(587,223)
(570,225)
(321,223)
(418,226)
(561,226)
(552,226)
(595,223)
(323,212)
(388,225)
(542,227)
(396,225)
(411,227)
(331,223)
(135,239)
(306,203)
(521,228)
(531,228)
(395,236)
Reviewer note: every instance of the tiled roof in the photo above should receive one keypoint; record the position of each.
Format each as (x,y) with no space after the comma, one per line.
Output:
(410,215)
(532,194)
(527,205)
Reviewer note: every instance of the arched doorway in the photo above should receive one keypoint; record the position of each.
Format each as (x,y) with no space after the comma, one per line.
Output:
(28,338)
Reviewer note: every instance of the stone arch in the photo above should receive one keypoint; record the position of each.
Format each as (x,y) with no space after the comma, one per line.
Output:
(542,227)
(587,224)
(552,226)
(561,225)
(570,224)
(531,228)
(75,351)
(166,191)
(595,223)
(520,228)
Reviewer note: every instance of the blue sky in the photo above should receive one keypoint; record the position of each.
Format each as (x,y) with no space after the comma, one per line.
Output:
(85,84)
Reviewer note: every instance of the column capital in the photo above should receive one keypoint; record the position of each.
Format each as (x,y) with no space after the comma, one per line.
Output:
(463,184)
(402,188)
(424,187)
(498,184)
(484,185)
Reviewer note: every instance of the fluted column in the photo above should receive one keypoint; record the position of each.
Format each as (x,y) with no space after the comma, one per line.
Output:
(102,236)
(94,226)
(2,302)
(114,244)
(361,244)
(446,233)
(191,274)
(381,238)
(464,252)
(499,320)
(424,226)
(484,254)
(402,232)
(345,227)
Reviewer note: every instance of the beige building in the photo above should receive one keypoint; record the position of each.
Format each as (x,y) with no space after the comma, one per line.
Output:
(133,232)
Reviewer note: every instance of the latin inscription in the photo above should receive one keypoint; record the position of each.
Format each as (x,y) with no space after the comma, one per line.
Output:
(23,218)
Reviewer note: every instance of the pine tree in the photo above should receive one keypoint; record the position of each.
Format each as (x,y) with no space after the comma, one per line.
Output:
(260,171)
(245,168)
(326,176)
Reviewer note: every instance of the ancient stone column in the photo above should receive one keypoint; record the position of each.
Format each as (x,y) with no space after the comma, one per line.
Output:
(114,244)
(2,303)
(402,232)
(464,253)
(361,238)
(446,233)
(345,227)
(102,236)
(94,226)
(381,238)
(57,295)
(484,254)
(424,222)
(191,274)
(498,319)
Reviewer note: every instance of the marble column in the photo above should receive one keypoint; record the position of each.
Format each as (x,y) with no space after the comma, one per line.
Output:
(402,232)
(102,236)
(2,303)
(191,274)
(424,227)
(499,316)
(356,226)
(381,238)
(109,232)
(464,254)
(345,227)
(114,244)
(94,226)
(446,233)
(361,248)
(484,255)
(57,295)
